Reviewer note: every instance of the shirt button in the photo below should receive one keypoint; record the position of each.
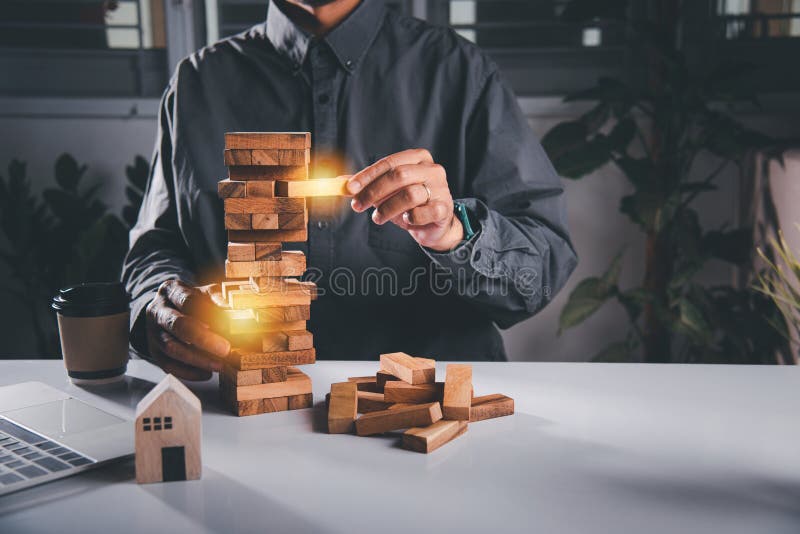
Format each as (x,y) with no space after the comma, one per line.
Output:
(322,225)
(323,99)
(349,63)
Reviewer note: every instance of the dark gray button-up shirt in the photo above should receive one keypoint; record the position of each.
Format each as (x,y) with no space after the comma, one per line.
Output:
(377,84)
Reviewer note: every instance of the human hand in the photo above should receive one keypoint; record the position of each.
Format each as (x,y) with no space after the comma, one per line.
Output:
(179,337)
(409,189)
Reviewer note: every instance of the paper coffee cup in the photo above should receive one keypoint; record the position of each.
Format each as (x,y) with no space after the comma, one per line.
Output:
(93,321)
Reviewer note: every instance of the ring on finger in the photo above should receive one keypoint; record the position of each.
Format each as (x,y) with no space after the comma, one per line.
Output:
(427,190)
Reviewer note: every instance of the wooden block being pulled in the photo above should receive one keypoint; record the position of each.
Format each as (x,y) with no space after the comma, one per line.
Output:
(236,377)
(342,407)
(292,263)
(296,383)
(270,236)
(399,391)
(262,173)
(298,402)
(264,205)
(408,368)
(251,140)
(325,187)
(364,383)
(428,439)
(369,401)
(278,373)
(238,221)
(259,188)
(284,314)
(457,392)
(231,189)
(264,221)
(268,156)
(490,406)
(381,378)
(398,418)
(244,360)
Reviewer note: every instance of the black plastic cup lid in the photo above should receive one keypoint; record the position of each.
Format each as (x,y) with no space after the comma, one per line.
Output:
(92,300)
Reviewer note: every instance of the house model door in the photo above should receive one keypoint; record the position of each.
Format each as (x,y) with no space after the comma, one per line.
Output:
(173,464)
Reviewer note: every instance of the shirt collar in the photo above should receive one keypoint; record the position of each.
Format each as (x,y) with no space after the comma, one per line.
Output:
(349,40)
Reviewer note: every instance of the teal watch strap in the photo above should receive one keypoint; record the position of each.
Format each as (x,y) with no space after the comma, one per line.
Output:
(461,212)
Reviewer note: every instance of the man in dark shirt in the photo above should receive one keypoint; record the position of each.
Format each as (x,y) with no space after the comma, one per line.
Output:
(426,118)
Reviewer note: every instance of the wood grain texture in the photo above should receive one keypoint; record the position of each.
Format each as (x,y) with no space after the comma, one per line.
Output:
(381,377)
(325,187)
(408,368)
(256,174)
(237,322)
(278,373)
(247,298)
(259,188)
(267,251)
(369,401)
(299,402)
(292,221)
(399,391)
(457,392)
(264,221)
(231,189)
(241,252)
(236,377)
(268,157)
(277,404)
(252,140)
(264,284)
(296,383)
(264,205)
(244,360)
(169,398)
(364,383)
(292,263)
(342,407)
(428,439)
(398,418)
(490,406)
(238,221)
(269,236)
(283,314)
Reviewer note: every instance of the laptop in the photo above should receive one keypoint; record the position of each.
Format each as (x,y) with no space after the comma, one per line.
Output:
(46,434)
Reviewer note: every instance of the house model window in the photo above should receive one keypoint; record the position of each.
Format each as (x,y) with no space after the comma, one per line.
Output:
(149,424)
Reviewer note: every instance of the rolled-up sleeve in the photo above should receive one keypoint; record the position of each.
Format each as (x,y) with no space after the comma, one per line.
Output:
(521,255)
(157,250)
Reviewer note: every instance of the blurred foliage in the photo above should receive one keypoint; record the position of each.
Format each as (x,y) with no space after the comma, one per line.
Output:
(63,236)
(654,135)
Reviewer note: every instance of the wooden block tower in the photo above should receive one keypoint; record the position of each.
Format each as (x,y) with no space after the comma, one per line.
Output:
(265,304)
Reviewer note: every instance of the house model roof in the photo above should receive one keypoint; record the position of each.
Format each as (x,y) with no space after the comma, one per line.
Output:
(169,383)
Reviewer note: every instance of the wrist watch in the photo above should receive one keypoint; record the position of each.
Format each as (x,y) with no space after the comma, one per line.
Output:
(460,210)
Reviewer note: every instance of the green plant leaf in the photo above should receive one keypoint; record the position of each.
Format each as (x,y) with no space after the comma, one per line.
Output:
(68,172)
(585,299)
(617,352)
(692,322)
(637,170)
(621,135)
(584,159)
(563,138)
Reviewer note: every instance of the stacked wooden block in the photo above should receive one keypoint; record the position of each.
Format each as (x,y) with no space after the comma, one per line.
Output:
(404,394)
(266,306)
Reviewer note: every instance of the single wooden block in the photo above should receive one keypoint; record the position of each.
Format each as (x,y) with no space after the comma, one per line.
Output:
(490,406)
(381,377)
(247,298)
(236,377)
(408,368)
(407,417)
(270,174)
(268,157)
(342,408)
(300,339)
(241,252)
(292,221)
(275,341)
(296,383)
(364,383)
(167,434)
(268,236)
(292,263)
(277,404)
(244,321)
(457,392)
(278,373)
(264,221)
(399,391)
(428,439)
(244,360)
(369,401)
(231,189)
(299,402)
(268,284)
(259,188)
(244,408)
(251,140)
(325,187)
(267,251)
(238,221)
(284,314)
(264,205)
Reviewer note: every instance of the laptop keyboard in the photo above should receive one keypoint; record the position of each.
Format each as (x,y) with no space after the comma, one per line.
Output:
(26,455)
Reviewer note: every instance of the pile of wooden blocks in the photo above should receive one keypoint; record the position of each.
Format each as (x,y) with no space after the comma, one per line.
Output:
(266,306)
(404,394)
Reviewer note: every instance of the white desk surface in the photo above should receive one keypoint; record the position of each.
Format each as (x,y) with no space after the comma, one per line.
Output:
(593,448)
